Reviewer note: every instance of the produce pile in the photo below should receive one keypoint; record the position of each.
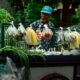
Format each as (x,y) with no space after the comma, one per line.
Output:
(67,39)
(15,53)
(17,61)
(30,36)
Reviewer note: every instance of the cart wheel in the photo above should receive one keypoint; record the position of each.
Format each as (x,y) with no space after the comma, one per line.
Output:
(54,76)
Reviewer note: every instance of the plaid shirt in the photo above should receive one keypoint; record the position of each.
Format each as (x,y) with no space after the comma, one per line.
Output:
(45,44)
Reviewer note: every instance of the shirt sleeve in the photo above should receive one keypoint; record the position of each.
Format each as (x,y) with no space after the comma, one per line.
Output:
(34,25)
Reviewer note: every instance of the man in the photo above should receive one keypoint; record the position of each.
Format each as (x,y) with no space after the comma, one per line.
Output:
(44,23)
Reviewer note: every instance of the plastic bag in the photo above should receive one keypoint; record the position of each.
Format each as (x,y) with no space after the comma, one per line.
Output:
(12,30)
(75,40)
(67,36)
(60,35)
(31,37)
(9,31)
(47,32)
(21,29)
(10,72)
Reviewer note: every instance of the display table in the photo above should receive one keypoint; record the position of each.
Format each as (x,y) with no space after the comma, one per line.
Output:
(50,60)
(46,66)
(54,64)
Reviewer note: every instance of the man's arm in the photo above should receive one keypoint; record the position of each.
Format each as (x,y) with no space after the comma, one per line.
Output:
(34,25)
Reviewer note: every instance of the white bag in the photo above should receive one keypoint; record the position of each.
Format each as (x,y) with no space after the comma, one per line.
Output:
(11,72)
(21,29)
(12,30)
(9,31)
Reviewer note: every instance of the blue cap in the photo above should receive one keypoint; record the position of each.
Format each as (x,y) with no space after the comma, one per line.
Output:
(47,10)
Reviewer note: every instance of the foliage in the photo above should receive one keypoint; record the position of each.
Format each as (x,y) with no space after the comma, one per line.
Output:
(5,16)
(9,0)
(32,12)
(56,3)
(53,20)
(18,10)
(18,16)
(76,17)
(22,56)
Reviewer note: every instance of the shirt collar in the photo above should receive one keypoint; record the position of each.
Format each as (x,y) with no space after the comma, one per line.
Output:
(49,23)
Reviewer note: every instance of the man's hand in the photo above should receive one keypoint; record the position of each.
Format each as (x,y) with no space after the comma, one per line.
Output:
(48,33)
(44,35)
(39,34)
(48,36)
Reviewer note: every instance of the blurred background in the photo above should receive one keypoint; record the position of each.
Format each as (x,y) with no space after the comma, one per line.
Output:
(66,12)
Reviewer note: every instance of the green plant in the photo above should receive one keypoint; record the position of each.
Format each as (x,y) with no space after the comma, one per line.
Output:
(5,16)
(18,16)
(76,17)
(56,3)
(21,55)
(32,12)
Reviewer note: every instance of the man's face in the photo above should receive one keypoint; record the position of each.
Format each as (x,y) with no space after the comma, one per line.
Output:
(45,17)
